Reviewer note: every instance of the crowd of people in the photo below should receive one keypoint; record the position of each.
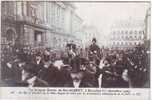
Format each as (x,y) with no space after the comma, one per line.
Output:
(73,67)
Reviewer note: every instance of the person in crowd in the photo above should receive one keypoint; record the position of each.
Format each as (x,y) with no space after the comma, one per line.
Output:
(94,52)
(107,74)
(121,72)
(62,74)
(46,55)
(49,74)
(29,76)
(71,50)
(80,78)
(117,68)
(13,76)
(92,74)
(138,72)
(38,62)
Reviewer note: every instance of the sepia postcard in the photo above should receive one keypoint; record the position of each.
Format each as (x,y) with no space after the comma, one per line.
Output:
(75,50)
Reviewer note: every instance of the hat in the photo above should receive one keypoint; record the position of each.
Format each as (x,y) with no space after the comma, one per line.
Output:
(38,54)
(94,39)
(30,68)
(107,59)
(84,61)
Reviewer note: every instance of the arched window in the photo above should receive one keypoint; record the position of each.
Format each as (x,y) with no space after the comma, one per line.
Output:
(10,35)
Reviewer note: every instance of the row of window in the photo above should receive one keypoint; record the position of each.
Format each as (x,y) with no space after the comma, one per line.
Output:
(127,37)
(126,43)
(128,32)
(8,8)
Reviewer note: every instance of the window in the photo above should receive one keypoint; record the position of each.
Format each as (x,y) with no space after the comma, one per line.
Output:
(126,32)
(135,32)
(10,35)
(122,32)
(130,43)
(33,12)
(130,32)
(122,37)
(139,37)
(118,32)
(135,43)
(130,37)
(121,43)
(39,12)
(10,6)
(141,32)
(38,36)
(114,33)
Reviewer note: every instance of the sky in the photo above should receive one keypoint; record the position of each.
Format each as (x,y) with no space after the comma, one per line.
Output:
(103,14)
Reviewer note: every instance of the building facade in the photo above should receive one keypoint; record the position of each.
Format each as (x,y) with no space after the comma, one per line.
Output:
(147,23)
(127,34)
(77,23)
(37,24)
(148,28)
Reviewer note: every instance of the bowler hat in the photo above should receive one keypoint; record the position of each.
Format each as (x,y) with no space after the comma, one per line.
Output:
(75,64)
(30,68)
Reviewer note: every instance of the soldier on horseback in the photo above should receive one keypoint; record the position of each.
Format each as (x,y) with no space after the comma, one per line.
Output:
(94,52)
(94,57)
